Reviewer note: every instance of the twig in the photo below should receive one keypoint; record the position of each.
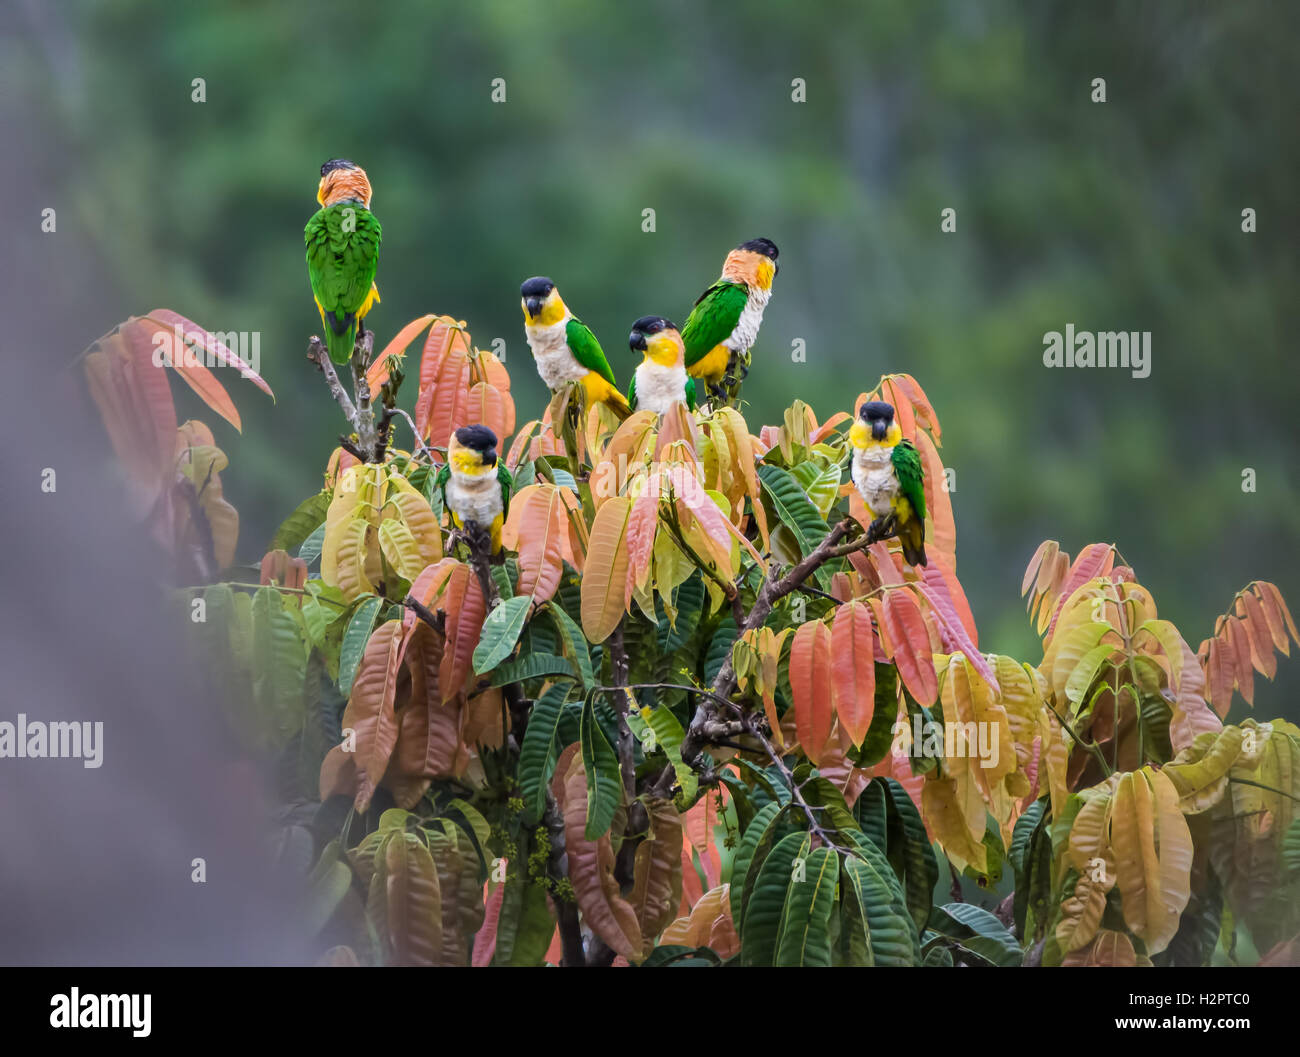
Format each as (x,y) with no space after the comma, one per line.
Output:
(424,613)
(319,355)
(796,796)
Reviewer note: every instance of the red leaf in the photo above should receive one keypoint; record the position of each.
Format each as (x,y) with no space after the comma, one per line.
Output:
(209,343)
(377,372)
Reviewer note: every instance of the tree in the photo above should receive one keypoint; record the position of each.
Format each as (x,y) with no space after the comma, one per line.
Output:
(699,712)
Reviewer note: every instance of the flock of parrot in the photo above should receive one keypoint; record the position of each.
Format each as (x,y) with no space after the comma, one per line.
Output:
(701,362)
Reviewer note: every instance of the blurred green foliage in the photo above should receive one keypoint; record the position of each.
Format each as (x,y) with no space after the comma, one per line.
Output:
(1117,215)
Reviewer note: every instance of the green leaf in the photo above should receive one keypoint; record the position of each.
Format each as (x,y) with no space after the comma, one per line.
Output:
(766,910)
(328,885)
(538,753)
(820,483)
(604,779)
(311,546)
(876,926)
(354,641)
(872,813)
(754,846)
(532,666)
(672,955)
(501,631)
(805,924)
(823,793)
(575,643)
(668,735)
(1291,848)
(724,637)
(279,667)
(977,932)
(1022,834)
(1086,671)
(689,600)
(793,507)
(525,927)
(301,523)
(473,822)
(910,852)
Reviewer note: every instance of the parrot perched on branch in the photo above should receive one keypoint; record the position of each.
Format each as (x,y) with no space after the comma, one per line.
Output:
(661,379)
(475,483)
(888,473)
(342,252)
(723,325)
(563,347)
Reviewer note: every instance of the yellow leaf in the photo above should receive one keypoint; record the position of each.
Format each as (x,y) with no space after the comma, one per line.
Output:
(604,582)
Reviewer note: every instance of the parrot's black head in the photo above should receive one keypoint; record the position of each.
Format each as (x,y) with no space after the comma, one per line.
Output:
(646,327)
(479,439)
(879,416)
(764,246)
(336,163)
(535,293)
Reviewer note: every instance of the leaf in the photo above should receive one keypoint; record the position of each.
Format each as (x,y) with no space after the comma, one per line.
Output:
(279,665)
(591,870)
(1153,855)
(501,631)
(876,926)
(978,932)
(574,644)
(604,779)
(370,711)
(761,930)
(657,871)
(328,885)
(462,604)
(604,579)
(210,343)
(538,753)
(411,901)
(853,669)
(377,372)
(793,507)
(307,517)
(805,938)
(354,641)
(810,684)
(754,846)
(532,666)
(669,737)
(910,641)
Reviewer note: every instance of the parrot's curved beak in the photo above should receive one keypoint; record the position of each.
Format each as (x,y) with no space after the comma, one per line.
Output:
(534,306)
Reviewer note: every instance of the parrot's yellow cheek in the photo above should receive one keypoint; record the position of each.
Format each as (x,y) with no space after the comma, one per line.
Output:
(859,434)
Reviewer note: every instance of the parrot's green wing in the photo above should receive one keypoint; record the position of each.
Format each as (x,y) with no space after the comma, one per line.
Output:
(690,393)
(713,318)
(631,392)
(586,349)
(507,485)
(342,255)
(911,476)
(440,483)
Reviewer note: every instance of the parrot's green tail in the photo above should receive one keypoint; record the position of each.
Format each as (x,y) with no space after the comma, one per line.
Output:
(340,343)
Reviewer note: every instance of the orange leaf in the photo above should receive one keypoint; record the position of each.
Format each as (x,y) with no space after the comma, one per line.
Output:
(210,343)
(464,610)
(810,683)
(377,372)
(910,639)
(604,580)
(853,669)
(186,362)
(370,712)
(536,530)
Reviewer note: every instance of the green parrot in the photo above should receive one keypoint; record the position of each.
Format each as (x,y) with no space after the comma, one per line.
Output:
(723,325)
(475,483)
(888,473)
(342,252)
(661,379)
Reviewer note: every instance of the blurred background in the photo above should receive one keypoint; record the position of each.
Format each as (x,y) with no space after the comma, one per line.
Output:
(1122,215)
